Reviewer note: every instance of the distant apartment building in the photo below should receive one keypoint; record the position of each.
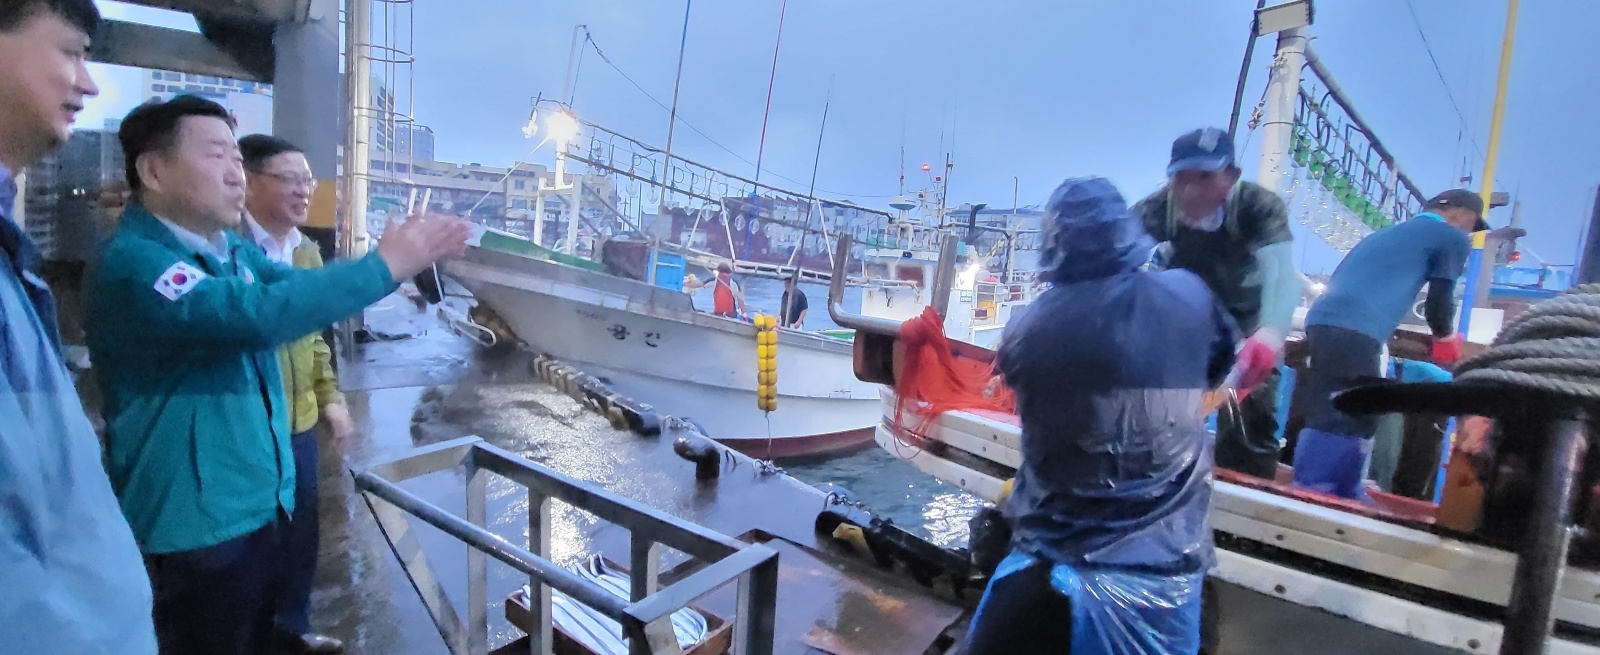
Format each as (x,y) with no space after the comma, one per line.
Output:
(393,131)
(415,140)
(249,102)
(62,194)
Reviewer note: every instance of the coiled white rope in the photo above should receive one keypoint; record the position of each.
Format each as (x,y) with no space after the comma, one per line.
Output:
(1553,346)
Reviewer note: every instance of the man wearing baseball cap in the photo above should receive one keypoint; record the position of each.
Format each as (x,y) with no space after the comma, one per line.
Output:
(1368,295)
(1235,236)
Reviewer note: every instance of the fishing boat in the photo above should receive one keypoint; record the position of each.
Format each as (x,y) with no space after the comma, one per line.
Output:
(647,339)
(626,318)
(1399,565)
(996,280)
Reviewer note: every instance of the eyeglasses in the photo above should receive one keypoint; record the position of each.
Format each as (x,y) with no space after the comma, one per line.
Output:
(293,181)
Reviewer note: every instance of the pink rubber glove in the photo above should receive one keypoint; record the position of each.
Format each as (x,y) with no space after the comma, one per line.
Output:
(1255,361)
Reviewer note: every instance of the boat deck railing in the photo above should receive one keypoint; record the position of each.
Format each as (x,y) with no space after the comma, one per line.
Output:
(645,617)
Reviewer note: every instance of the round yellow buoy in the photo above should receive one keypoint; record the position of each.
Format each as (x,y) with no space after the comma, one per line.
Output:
(767,338)
(764,353)
(1005,491)
(767,378)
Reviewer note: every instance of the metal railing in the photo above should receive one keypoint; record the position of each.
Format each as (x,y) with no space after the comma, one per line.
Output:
(645,618)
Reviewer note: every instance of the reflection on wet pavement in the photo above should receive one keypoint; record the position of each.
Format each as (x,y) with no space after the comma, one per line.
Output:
(364,598)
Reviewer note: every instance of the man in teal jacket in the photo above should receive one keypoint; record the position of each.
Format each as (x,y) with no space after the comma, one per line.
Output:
(185,318)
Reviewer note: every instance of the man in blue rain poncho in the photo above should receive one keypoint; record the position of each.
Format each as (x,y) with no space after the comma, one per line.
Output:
(1111,542)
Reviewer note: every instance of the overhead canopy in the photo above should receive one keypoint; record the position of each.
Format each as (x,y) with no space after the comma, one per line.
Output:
(235,38)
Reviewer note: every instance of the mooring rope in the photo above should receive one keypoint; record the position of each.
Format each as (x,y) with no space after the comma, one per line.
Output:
(1553,346)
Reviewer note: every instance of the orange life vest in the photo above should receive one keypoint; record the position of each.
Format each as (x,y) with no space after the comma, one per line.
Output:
(722,303)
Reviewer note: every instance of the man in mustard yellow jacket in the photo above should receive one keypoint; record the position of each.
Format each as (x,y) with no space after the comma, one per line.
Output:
(278,185)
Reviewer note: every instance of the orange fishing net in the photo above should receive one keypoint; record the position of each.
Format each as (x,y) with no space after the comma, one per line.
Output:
(934,381)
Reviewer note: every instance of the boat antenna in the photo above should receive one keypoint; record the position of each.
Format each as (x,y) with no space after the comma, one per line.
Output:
(902,156)
(761,147)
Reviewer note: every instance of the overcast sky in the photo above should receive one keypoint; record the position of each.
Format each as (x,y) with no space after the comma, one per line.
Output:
(1036,90)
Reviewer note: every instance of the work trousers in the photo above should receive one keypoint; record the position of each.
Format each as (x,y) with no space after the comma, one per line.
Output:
(1339,359)
(301,540)
(1334,450)
(1021,614)
(218,600)
(1247,433)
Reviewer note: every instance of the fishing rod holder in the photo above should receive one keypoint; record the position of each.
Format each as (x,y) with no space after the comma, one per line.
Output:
(645,617)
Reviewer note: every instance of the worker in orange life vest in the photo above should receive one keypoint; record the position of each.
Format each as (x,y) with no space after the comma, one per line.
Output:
(727,299)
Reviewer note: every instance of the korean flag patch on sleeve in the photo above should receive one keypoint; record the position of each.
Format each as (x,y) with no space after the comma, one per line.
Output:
(178,279)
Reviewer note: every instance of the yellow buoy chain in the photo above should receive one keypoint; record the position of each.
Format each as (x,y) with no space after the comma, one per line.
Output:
(766,362)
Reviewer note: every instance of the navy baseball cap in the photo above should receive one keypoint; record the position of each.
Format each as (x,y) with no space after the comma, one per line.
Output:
(1462,198)
(1209,149)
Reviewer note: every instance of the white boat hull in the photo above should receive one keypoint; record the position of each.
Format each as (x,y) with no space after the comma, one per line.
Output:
(691,364)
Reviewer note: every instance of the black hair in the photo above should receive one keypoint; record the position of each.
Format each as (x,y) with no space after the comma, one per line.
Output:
(81,14)
(258,148)
(153,127)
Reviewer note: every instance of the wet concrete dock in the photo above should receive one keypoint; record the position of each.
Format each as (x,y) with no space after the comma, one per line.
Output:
(434,386)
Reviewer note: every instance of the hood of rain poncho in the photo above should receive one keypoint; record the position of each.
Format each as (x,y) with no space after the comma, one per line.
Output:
(1088,233)
(1116,461)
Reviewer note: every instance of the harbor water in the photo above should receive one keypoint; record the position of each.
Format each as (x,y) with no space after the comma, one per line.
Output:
(889,486)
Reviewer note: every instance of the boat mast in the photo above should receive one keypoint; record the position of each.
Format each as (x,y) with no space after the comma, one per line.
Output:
(1499,103)
(1283,89)
(1480,269)
(816,161)
(761,147)
(672,119)
(572,55)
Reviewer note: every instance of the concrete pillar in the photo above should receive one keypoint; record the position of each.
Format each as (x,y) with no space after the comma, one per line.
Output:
(306,99)
(357,154)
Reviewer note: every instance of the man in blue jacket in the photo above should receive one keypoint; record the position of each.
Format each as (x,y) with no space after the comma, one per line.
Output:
(1110,538)
(1368,295)
(73,582)
(185,317)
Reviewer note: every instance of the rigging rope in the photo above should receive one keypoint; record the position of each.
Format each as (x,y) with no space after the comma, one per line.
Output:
(1553,346)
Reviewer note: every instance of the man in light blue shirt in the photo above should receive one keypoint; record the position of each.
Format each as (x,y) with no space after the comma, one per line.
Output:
(73,580)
